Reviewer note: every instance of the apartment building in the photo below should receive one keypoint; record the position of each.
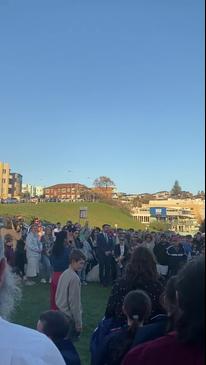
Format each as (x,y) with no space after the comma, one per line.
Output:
(196,206)
(70,192)
(4,180)
(15,185)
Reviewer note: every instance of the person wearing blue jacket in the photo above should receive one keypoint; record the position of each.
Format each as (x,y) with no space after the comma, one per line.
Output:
(55,325)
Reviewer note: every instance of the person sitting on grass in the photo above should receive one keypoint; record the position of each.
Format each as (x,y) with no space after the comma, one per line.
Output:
(186,343)
(55,325)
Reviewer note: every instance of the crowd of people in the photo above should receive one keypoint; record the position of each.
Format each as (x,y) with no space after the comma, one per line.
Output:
(153,311)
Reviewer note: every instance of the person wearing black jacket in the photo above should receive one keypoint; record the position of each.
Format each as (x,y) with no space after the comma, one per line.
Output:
(176,256)
(121,254)
(55,325)
(105,248)
(160,252)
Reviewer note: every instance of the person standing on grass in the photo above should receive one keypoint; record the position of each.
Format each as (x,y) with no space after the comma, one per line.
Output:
(56,230)
(176,256)
(33,254)
(184,345)
(9,251)
(20,345)
(68,294)
(20,258)
(105,247)
(8,228)
(59,261)
(47,244)
(121,254)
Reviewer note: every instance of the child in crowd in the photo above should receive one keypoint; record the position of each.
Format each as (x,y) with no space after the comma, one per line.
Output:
(9,250)
(55,325)
(137,309)
(20,258)
(186,343)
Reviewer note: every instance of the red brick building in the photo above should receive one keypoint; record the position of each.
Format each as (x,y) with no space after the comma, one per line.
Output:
(70,192)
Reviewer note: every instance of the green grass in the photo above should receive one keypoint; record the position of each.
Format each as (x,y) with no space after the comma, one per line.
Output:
(98,213)
(36,300)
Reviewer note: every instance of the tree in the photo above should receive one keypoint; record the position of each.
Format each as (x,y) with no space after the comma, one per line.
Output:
(159,226)
(103,182)
(88,195)
(176,190)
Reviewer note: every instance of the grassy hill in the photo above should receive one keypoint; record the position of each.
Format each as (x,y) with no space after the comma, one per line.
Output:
(98,213)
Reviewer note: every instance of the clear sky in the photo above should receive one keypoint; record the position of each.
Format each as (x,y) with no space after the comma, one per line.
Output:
(103,87)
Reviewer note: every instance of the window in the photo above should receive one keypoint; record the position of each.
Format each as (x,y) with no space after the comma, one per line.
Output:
(4,181)
(4,171)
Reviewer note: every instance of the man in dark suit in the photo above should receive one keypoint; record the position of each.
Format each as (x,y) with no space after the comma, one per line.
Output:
(105,247)
(121,254)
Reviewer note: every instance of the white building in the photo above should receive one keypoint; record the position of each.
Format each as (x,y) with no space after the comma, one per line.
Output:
(181,219)
(39,190)
(32,190)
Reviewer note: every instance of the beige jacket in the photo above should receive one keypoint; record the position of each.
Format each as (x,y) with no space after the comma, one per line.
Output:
(12,232)
(68,296)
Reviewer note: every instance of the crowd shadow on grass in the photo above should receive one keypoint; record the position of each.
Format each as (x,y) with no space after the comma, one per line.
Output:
(35,300)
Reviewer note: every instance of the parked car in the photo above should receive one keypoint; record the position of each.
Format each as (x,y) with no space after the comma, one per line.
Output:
(10,201)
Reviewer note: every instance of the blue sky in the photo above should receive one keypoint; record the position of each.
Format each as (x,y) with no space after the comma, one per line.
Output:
(110,87)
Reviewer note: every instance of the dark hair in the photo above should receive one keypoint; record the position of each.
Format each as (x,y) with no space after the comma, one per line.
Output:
(148,235)
(76,255)
(169,294)
(137,306)
(55,324)
(105,225)
(59,244)
(141,267)
(137,303)
(168,301)
(191,302)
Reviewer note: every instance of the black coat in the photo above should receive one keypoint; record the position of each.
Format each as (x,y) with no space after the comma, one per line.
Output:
(117,252)
(160,252)
(103,245)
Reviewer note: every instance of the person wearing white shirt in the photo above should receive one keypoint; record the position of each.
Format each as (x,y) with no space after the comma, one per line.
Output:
(20,345)
(56,230)
(33,254)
